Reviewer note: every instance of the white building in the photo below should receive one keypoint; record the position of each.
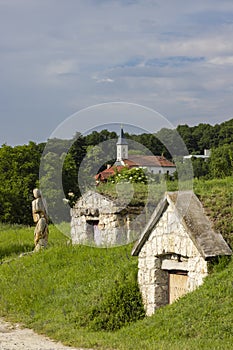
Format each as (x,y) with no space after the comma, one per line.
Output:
(154,164)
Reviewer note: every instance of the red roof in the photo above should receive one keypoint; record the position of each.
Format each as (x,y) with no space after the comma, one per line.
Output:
(148,161)
(103,175)
(130,163)
(135,161)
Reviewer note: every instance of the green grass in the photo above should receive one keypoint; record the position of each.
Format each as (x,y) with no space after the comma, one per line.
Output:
(16,239)
(142,194)
(71,292)
(217,198)
(68,288)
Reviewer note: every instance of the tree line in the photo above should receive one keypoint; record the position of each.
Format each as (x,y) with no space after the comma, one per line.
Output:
(20,165)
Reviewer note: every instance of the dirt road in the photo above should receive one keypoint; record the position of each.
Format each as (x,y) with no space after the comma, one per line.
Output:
(13,337)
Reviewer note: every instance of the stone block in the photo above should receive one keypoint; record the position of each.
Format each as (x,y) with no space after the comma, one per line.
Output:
(141,262)
(150,262)
(161,296)
(147,279)
(149,249)
(150,309)
(171,218)
(183,248)
(158,262)
(150,294)
(174,265)
(141,277)
(159,245)
(177,244)
(114,224)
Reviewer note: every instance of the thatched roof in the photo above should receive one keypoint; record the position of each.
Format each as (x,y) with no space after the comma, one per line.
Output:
(191,214)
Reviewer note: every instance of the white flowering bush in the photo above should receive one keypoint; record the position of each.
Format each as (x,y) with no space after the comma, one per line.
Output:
(134,175)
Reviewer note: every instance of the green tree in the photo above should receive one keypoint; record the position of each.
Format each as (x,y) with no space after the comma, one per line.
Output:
(70,179)
(19,173)
(226,133)
(173,144)
(92,164)
(221,161)
(200,167)
(186,134)
(97,137)
(52,187)
(150,142)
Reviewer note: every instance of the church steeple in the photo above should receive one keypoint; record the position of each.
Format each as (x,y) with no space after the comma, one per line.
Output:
(122,147)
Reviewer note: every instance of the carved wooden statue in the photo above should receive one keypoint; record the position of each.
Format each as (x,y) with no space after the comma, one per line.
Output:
(40,217)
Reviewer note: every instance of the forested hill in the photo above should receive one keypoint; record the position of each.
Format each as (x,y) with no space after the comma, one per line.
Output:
(206,136)
(19,165)
(196,138)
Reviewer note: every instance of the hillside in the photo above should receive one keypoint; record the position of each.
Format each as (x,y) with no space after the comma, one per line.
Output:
(87,297)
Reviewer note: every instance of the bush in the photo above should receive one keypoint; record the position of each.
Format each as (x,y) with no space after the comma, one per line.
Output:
(119,307)
(134,175)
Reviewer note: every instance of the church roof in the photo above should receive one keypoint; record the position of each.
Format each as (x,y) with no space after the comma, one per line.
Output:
(121,139)
(191,214)
(148,161)
(135,161)
(104,175)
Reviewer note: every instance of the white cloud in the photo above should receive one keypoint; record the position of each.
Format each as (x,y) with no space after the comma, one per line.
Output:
(105,80)
(226,60)
(100,80)
(61,67)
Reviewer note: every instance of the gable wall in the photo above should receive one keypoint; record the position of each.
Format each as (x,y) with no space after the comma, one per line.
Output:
(168,245)
(115,227)
(94,200)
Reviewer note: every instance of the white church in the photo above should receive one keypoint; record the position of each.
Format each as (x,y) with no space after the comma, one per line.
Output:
(154,164)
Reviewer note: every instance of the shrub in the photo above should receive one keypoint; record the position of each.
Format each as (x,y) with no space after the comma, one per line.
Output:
(119,307)
(134,175)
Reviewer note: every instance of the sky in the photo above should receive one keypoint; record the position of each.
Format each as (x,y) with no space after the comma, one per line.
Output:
(58,57)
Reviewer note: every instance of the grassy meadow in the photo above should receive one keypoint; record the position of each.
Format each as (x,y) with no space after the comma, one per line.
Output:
(86,296)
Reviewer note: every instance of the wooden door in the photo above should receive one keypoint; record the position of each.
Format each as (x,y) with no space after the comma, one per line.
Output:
(177,285)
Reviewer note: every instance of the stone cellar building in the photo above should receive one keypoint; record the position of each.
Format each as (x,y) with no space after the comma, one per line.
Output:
(98,220)
(174,249)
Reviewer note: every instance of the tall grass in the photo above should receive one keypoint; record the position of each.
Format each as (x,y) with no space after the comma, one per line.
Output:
(16,239)
(217,198)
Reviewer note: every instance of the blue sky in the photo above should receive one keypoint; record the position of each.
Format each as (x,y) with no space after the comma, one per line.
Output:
(60,56)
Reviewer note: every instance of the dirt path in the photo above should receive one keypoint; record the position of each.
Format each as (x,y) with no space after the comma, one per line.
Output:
(13,337)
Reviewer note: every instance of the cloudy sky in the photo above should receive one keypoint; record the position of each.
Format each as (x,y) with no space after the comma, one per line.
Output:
(60,56)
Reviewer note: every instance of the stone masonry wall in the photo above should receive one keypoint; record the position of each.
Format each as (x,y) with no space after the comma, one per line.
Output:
(112,228)
(169,241)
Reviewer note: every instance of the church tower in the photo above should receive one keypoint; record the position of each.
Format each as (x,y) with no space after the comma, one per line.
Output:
(122,147)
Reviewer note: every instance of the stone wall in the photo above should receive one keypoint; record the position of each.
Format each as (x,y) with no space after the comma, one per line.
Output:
(168,247)
(99,221)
